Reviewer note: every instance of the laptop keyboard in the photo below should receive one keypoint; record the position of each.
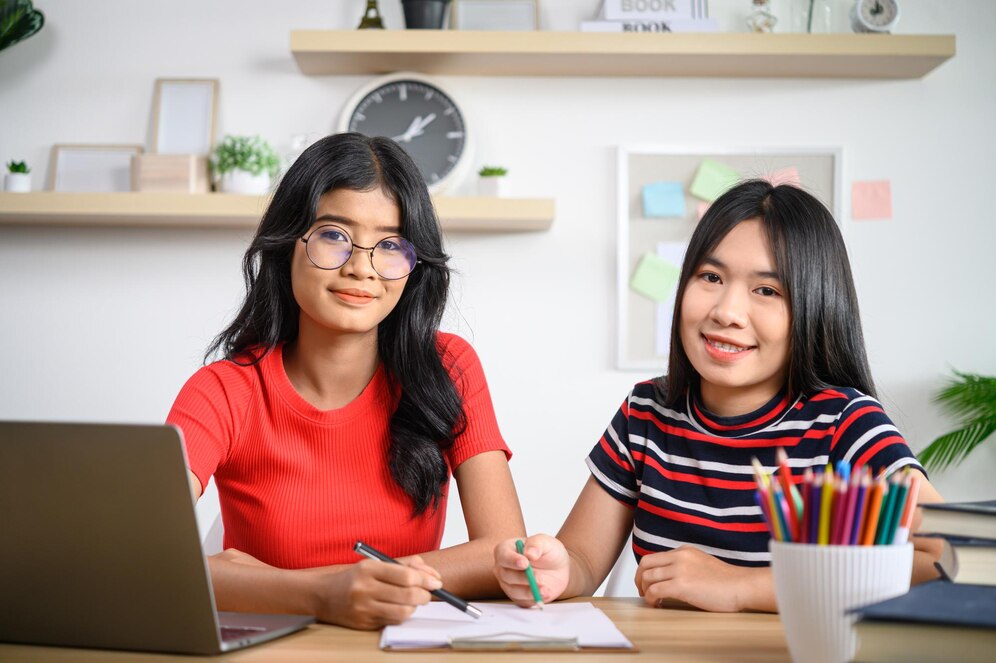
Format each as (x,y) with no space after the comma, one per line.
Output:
(229,633)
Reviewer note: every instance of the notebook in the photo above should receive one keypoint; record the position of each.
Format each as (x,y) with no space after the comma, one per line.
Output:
(967,519)
(561,626)
(100,547)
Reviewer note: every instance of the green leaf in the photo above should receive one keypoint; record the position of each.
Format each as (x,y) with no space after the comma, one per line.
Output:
(971,399)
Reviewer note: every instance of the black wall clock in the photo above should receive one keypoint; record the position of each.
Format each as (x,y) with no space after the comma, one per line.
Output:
(420,116)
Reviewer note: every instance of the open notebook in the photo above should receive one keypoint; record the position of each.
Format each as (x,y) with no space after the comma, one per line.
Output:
(568,626)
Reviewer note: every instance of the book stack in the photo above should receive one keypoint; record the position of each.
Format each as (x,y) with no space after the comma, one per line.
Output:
(936,621)
(953,619)
(652,16)
(969,532)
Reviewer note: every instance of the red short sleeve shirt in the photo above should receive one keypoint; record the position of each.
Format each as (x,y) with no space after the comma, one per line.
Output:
(299,486)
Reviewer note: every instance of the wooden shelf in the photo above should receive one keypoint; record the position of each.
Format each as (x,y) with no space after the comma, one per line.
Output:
(613,54)
(218,210)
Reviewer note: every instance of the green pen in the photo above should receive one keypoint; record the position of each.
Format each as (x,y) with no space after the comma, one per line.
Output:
(520,548)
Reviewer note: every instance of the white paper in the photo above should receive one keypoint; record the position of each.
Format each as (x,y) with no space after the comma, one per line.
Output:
(435,624)
(673,252)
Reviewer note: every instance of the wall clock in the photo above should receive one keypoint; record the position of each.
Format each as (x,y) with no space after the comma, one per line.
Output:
(874,15)
(419,115)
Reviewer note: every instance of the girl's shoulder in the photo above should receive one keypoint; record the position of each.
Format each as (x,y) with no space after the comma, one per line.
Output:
(241,373)
(455,351)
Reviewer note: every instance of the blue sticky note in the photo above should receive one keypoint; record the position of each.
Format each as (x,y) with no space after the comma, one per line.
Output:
(663,199)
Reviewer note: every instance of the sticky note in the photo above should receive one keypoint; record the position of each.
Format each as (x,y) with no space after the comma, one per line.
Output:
(655,277)
(788,175)
(871,200)
(712,180)
(663,199)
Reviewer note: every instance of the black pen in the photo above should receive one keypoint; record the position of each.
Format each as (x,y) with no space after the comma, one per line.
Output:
(440,594)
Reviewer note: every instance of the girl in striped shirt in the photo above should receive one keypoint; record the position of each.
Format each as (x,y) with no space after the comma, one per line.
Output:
(766,353)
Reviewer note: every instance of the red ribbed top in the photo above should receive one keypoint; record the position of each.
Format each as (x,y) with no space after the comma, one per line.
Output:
(299,486)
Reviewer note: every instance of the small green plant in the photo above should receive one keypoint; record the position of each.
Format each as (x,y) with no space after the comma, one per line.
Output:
(972,399)
(18,167)
(249,153)
(492,171)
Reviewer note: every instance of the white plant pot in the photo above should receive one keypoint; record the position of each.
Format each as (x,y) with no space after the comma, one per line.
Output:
(490,187)
(19,182)
(240,181)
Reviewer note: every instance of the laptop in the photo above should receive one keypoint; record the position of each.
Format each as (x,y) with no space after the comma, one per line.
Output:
(99,545)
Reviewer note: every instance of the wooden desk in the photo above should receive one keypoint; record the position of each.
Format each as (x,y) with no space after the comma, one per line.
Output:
(676,636)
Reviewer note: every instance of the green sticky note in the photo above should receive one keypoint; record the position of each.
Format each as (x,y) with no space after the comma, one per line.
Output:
(712,180)
(655,277)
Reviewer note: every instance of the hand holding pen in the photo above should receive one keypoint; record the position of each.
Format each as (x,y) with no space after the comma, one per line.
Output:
(439,592)
(545,556)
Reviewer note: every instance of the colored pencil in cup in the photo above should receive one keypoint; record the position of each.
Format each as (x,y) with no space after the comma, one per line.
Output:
(874,511)
(906,520)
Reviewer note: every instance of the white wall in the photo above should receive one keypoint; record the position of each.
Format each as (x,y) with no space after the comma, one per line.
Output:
(106,324)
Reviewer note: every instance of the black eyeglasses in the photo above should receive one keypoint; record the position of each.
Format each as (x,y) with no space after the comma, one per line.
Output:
(331,247)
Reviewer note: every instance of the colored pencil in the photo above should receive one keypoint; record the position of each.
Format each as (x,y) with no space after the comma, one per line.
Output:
(873,512)
(826,500)
(847,520)
(860,508)
(807,506)
(816,491)
(791,493)
(762,502)
(882,534)
(906,520)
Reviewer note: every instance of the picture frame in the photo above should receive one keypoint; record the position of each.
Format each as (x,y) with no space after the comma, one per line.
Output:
(509,15)
(643,325)
(184,115)
(92,168)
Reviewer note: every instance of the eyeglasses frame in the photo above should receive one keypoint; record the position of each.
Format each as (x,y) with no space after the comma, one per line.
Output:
(353,246)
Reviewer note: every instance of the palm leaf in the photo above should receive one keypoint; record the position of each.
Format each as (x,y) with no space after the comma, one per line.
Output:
(972,400)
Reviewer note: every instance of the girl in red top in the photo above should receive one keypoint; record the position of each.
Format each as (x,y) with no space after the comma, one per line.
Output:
(339,410)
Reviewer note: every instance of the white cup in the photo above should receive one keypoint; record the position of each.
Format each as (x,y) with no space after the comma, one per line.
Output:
(817,585)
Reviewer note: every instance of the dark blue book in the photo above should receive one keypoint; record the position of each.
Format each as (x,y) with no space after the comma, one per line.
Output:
(935,621)
(968,519)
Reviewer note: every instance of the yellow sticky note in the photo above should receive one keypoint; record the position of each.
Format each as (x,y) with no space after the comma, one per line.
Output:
(655,277)
(712,180)
(871,200)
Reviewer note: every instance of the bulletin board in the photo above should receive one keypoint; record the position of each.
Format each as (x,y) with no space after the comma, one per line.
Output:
(643,322)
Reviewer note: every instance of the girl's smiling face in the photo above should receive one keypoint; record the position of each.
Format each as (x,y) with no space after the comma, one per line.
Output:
(353,298)
(736,323)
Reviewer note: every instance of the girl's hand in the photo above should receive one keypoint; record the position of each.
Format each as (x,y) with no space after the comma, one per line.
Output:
(371,594)
(551,567)
(691,576)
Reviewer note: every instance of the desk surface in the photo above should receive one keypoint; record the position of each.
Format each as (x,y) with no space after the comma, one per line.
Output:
(673,635)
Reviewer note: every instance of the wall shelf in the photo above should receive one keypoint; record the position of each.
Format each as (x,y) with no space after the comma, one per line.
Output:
(613,54)
(215,210)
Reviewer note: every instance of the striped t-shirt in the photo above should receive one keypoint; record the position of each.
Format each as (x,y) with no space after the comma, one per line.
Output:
(688,473)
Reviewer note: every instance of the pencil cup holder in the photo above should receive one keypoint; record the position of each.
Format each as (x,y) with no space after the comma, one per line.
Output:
(817,585)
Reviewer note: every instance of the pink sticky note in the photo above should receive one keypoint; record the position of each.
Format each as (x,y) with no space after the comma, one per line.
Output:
(871,200)
(788,175)
(701,209)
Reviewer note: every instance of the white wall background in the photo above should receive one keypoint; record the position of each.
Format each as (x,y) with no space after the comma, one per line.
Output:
(107,324)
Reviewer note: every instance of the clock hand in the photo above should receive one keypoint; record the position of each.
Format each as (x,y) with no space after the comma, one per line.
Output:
(428,118)
(413,129)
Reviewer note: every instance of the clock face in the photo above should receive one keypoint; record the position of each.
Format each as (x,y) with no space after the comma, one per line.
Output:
(875,15)
(418,116)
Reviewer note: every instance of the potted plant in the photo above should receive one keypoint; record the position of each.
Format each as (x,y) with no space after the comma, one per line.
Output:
(18,177)
(489,182)
(425,14)
(972,399)
(244,164)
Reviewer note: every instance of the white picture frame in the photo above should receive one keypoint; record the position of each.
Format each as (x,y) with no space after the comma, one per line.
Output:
(92,168)
(639,331)
(507,15)
(184,115)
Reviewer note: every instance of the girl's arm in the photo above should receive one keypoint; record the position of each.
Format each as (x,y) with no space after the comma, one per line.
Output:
(926,550)
(492,513)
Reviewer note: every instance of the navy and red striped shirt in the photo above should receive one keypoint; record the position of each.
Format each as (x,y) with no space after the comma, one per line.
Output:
(688,473)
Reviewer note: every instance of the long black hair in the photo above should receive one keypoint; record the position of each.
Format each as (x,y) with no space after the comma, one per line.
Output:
(429,413)
(827,347)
